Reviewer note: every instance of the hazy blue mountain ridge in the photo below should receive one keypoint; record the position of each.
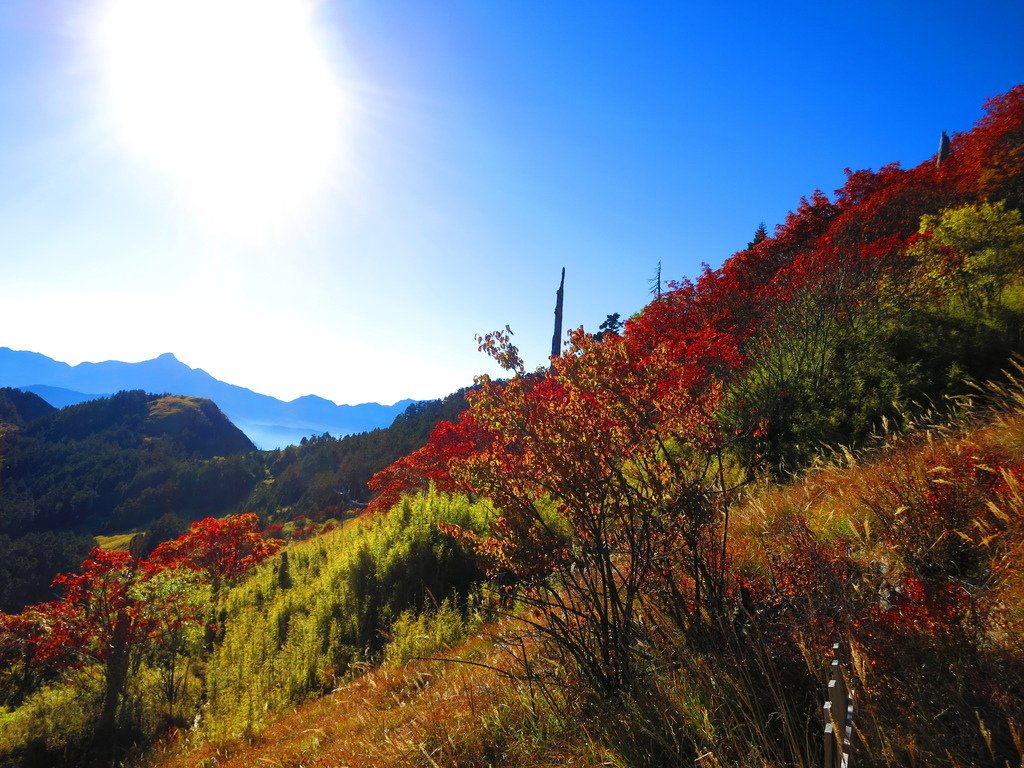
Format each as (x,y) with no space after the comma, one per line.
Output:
(267,421)
(58,397)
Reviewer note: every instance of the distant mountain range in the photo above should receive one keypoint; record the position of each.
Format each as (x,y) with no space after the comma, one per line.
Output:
(267,421)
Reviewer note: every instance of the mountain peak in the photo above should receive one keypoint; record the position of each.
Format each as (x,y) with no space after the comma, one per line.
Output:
(316,399)
(270,421)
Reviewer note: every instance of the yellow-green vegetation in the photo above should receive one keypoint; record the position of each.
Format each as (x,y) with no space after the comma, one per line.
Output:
(170,405)
(51,717)
(989,239)
(417,635)
(116,541)
(319,613)
(949,693)
(302,624)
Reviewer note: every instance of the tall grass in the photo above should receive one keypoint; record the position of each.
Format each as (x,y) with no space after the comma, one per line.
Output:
(907,555)
(288,636)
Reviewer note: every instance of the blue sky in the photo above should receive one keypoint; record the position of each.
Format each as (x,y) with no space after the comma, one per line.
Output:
(480,146)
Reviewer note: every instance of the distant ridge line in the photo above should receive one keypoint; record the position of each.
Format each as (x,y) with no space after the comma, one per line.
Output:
(268,421)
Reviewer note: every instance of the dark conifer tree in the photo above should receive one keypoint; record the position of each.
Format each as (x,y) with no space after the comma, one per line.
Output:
(759,234)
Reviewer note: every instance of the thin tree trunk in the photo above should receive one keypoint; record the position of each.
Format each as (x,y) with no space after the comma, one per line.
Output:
(116,674)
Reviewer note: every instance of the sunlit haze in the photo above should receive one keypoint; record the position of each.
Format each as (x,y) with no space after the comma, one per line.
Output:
(332,198)
(234,100)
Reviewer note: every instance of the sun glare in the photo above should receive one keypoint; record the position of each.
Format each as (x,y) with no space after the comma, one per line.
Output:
(235,100)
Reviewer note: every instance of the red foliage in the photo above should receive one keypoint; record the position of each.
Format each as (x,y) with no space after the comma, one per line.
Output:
(28,638)
(99,604)
(223,549)
(607,435)
(617,436)
(914,610)
(946,520)
(807,597)
(448,442)
(113,605)
(834,251)
(989,161)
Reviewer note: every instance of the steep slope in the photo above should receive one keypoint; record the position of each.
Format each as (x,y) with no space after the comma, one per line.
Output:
(17,407)
(822,559)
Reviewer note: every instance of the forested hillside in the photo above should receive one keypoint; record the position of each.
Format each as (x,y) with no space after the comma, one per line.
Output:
(148,463)
(108,465)
(650,547)
(328,476)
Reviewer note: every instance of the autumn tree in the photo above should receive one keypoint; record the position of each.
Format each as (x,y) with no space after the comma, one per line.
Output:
(30,652)
(609,476)
(118,610)
(102,619)
(221,549)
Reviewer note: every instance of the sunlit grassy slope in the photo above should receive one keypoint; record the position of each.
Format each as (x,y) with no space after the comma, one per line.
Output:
(447,713)
(421,713)
(115,541)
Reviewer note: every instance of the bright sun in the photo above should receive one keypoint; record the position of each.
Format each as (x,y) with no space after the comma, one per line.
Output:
(235,100)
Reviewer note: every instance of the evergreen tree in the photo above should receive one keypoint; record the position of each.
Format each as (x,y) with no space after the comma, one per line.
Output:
(759,234)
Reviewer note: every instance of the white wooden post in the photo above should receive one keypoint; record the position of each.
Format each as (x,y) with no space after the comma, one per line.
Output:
(838,712)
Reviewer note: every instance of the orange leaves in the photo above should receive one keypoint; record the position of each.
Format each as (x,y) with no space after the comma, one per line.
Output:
(498,345)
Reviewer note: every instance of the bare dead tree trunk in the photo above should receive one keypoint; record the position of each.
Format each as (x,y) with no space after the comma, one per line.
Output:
(556,340)
(943,152)
(655,282)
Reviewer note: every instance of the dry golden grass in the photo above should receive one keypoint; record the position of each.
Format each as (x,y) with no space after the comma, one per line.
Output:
(969,684)
(836,498)
(425,713)
(434,714)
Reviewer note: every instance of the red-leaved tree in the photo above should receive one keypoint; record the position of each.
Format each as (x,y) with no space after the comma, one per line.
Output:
(222,549)
(102,620)
(608,473)
(117,608)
